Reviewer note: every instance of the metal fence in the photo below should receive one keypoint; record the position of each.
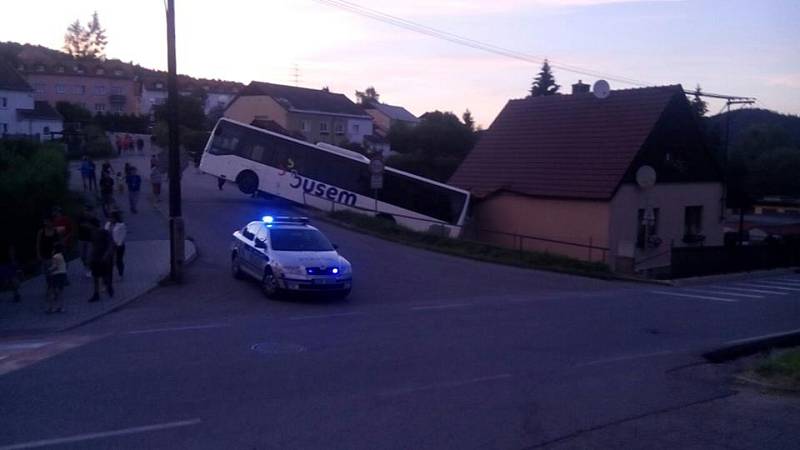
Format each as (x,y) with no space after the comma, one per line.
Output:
(709,260)
(523,242)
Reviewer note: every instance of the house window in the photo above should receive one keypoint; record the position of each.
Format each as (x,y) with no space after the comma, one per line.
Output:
(355,128)
(304,125)
(99,90)
(79,90)
(118,73)
(99,107)
(647,228)
(323,128)
(39,68)
(116,90)
(40,88)
(46,130)
(4,102)
(3,128)
(60,89)
(159,85)
(60,69)
(339,128)
(693,220)
(117,108)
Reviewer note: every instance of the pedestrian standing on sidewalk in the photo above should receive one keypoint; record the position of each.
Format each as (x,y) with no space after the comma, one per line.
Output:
(92,175)
(102,262)
(119,232)
(46,240)
(64,227)
(153,160)
(11,273)
(86,224)
(118,142)
(140,145)
(134,182)
(57,280)
(86,173)
(156,178)
(120,183)
(106,193)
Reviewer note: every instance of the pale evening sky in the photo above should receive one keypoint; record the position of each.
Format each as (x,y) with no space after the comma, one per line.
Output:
(739,47)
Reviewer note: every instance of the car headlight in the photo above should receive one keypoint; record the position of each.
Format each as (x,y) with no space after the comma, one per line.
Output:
(293,270)
(344,268)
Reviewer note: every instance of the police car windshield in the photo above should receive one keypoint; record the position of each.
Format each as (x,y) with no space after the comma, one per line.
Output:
(299,240)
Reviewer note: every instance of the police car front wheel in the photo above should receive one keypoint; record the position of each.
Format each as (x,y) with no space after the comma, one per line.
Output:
(236,268)
(269,285)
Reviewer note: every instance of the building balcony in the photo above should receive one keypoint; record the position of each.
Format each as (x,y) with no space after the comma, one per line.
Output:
(116,99)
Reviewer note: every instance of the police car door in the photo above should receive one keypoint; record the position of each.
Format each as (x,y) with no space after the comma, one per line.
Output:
(249,250)
(260,253)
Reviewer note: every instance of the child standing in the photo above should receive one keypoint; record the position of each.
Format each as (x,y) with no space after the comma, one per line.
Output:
(57,280)
(120,183)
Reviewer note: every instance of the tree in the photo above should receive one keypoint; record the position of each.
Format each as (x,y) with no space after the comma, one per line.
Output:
(74,39)
(469,122)
(698,104)
(544,83)
(190,113)
(96,39)
(368,96)
(89,42)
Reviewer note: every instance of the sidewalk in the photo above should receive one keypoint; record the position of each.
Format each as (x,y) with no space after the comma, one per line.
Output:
(146,264)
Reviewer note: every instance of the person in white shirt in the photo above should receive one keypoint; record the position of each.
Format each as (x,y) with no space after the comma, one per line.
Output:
(119,232)
(57,280)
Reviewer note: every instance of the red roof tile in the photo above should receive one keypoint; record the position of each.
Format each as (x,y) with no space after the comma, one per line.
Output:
(574,146)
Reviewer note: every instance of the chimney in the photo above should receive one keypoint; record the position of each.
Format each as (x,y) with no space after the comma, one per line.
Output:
(580,88)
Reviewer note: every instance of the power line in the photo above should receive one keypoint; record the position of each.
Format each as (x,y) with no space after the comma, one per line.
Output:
(491,48)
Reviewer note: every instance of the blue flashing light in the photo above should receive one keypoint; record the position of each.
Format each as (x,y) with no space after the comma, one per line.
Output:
(268,219)
(335,270)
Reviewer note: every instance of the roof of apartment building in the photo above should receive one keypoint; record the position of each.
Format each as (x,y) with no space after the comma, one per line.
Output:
(571,146)
(41,111)
(11,80)
(157,81)
(393,112)
(297,99)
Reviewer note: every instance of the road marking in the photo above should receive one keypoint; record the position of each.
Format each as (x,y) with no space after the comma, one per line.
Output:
(444,306)
(327,316)
(186,328)
(103,434)
(625,358)
(451,384)
(703,297)
(769,287)
(760,291)
(705,291)
(781,283)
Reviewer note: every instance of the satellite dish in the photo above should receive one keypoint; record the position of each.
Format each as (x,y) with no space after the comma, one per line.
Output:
(601,89)
(646,177)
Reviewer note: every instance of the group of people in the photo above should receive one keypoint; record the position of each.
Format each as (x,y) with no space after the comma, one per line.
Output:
(112,182)
(125,143)
(100,247)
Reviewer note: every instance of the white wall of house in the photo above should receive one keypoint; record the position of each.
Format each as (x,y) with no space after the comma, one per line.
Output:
(215,99)
(671,199)
(358,128)
(10,102)
(41,127)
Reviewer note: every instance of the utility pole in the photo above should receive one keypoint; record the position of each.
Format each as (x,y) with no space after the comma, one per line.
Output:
(740,191)
(176,230)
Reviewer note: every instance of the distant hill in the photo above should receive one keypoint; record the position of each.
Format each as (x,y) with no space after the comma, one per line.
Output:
(743,119)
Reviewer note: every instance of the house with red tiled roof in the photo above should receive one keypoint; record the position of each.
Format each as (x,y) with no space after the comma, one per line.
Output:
(20,113)
(562,170)
(319,115)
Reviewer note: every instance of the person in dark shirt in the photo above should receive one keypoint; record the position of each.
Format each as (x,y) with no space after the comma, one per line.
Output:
(106,192)
(92,171)
(102,261)
(86,223)
(134,182)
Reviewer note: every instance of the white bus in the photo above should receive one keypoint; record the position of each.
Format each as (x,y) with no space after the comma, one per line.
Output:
(328,177)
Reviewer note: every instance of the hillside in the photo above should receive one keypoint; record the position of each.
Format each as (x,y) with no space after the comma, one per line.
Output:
(743,119)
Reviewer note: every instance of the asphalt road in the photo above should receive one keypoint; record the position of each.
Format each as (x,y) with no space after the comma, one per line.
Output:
(429,351)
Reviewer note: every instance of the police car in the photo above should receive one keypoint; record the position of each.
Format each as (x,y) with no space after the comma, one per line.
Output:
(288,254)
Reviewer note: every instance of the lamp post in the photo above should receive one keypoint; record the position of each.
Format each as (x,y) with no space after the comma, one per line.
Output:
(176,229)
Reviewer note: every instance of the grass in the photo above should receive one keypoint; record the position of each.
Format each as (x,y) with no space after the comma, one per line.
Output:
(781,368)
(469,249)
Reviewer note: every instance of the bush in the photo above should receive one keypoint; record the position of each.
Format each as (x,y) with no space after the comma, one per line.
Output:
(33,179)
(97,144)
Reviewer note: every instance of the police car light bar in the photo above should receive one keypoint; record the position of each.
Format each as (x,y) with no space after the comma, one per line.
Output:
(285,219)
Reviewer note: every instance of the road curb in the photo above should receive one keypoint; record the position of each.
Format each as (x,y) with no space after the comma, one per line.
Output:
(192,256)
(749,346)
(734,276)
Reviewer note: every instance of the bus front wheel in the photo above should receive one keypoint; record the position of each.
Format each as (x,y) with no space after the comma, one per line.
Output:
(247,182)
